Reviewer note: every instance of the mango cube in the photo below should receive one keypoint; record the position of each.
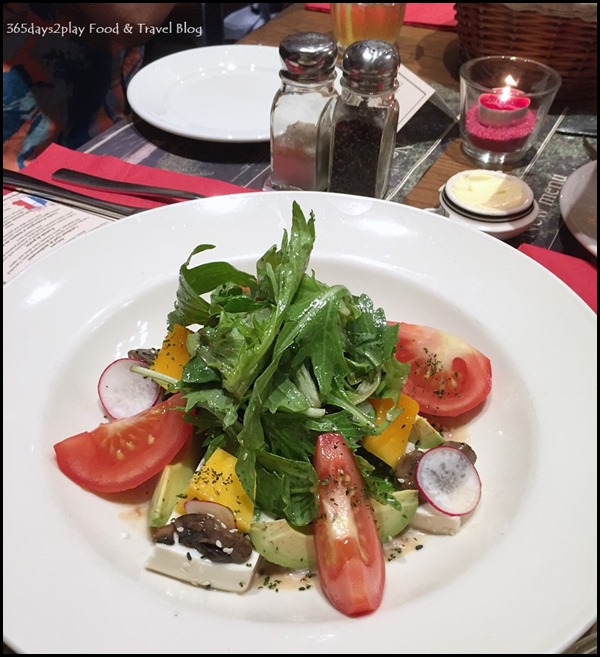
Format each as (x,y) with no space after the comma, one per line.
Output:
(173,354)
(390,445)
(217,481)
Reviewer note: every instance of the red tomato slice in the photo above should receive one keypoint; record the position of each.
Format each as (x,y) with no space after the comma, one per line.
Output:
(350,558)
(448,377)
(123,454)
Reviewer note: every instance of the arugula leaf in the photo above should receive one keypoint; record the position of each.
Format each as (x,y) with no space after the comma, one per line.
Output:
(377,483)
(214,400)
(286,396)
(197,371)
(239,344)
(313,324)
(289,435)
(190,307)
(281,357)
(286,488)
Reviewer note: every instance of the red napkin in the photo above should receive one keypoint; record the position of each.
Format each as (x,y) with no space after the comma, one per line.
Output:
(429,14)
(106,166)
(579,275)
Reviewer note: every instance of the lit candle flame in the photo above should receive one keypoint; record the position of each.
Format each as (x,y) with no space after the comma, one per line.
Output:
(508,90)
(505,95)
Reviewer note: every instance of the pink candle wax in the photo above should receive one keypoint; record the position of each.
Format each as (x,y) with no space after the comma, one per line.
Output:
(502,107)
(498,138)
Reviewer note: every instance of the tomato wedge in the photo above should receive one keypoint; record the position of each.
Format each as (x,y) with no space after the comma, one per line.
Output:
(448,377)
(122,454)
(350,559)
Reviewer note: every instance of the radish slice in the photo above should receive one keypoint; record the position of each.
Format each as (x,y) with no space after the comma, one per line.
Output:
(448,480)
(123,393)
(220,512)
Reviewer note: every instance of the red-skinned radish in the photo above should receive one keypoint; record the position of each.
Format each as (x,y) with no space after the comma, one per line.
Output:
(124,393)
(220,512)
(448,480)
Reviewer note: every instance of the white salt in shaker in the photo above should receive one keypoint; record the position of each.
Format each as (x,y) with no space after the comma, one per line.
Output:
(301,113)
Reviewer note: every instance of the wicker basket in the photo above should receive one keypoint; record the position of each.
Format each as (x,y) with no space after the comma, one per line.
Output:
(566,43)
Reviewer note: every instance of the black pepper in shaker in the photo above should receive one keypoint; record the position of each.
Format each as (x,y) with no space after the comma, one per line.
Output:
(365,120)
(301,112)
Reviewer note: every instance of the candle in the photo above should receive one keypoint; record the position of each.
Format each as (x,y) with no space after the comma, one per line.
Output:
(501,121)
(503,107)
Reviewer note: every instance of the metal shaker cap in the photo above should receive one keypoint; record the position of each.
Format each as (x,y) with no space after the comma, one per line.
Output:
(307,56)
(370,66)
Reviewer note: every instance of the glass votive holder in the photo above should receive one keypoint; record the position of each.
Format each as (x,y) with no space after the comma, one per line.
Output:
(503,103)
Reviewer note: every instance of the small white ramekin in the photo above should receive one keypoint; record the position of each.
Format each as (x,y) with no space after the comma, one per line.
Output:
(493,202)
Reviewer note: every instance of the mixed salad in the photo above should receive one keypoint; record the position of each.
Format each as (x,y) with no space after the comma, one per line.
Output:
(285,419)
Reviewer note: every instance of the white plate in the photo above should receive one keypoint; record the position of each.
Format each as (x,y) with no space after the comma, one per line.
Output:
(216,93)
(519,578)
(579,205)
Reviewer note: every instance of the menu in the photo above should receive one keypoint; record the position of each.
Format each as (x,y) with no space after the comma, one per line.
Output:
(412,93)
(33,226)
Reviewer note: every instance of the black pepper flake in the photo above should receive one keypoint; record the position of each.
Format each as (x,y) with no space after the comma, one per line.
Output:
(188,556)
(355,157)
(418,547)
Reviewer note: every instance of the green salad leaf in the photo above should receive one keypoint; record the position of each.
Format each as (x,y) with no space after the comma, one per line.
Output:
(280,358)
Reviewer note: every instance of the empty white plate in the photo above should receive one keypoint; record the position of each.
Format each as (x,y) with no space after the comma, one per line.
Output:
(216,93)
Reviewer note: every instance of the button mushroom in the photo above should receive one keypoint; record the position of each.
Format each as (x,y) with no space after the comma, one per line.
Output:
(208,535)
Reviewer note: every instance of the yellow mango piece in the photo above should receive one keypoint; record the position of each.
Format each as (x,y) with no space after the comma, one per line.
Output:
(173,355)
(216,481)
(390,445)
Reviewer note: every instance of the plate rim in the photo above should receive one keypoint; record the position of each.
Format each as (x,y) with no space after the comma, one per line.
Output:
(136,88)
(566,207)
(36,271)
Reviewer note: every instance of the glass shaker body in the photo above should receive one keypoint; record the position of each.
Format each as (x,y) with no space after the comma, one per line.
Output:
(300,135)
(301,113)
(365,121)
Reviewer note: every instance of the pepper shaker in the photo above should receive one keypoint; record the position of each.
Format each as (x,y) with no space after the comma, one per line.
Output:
(301,113)
(365,120)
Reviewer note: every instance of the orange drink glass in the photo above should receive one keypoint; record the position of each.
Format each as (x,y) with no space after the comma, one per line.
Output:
(356,21)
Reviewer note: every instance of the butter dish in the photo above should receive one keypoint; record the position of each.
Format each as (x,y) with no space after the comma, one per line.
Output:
(493,202)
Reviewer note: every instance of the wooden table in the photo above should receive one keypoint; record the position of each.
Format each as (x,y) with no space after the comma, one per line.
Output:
(433,55)
(429,53)
(428,147)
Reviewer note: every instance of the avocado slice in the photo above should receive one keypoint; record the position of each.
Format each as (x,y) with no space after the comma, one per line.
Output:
(280,543)
(172,482)
(423,435)
(390,521)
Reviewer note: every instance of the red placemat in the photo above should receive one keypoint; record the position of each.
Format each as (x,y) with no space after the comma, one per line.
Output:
(106,166)
(579,275)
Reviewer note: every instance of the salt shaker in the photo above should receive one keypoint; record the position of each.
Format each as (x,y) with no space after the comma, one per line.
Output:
(365,120)
(301,112)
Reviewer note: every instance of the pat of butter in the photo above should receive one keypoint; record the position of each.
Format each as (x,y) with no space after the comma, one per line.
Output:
(489,191)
